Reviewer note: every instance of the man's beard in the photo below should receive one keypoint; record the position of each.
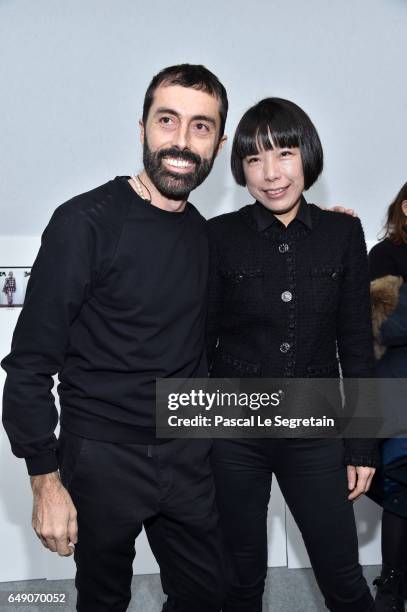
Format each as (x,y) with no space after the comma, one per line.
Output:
(173,185)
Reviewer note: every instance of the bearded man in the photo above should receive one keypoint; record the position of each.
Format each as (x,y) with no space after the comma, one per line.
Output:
(117,299)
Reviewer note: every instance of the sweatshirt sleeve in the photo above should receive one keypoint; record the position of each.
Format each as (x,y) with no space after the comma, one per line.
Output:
(60,282)
(215,301)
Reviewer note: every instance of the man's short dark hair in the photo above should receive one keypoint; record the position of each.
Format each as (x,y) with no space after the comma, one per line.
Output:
(189,75)
(288,126)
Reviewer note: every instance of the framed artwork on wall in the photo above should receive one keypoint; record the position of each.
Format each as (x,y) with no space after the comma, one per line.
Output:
(13,284)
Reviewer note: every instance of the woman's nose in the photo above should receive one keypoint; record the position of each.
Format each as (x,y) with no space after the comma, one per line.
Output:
(271,168)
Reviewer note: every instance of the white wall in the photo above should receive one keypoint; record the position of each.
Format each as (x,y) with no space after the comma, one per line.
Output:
(73,77)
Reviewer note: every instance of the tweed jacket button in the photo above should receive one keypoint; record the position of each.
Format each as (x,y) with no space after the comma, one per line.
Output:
(285,347)
(334,275)
(283,248)
(286,296)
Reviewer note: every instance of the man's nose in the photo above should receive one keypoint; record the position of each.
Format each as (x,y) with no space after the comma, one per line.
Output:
(181,137)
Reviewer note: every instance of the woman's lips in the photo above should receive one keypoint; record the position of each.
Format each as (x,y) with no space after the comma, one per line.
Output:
(275,194)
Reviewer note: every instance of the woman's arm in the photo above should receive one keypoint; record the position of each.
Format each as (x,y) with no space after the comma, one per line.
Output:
(354,335)
(354,320)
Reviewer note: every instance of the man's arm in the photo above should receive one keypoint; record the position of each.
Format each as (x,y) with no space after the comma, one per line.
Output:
(59,284)
(215,301)
(341,209)
(54,515)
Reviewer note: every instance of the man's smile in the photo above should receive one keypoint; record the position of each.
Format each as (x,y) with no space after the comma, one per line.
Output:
(179,165)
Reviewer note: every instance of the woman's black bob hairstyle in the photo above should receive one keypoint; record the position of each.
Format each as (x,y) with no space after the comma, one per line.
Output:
(288,126)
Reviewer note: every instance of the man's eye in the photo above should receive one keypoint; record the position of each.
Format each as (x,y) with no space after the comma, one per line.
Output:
(166,120)
(202,127)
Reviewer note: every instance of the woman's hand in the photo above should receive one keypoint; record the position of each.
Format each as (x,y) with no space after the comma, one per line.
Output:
(359,480)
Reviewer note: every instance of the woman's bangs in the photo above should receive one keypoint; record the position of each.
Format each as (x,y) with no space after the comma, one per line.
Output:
(271,136)
(265,138)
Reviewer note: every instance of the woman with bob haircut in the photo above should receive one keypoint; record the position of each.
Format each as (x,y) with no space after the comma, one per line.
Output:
(289,297)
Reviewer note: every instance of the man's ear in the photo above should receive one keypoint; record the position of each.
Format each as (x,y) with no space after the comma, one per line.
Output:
(141,124)
(221,143)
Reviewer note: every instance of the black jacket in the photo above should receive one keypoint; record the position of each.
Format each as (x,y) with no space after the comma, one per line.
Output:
(389,486)
(287,302)
(386,257)
(393,334)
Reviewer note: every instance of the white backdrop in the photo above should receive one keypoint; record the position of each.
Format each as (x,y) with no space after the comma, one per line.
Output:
(73,77)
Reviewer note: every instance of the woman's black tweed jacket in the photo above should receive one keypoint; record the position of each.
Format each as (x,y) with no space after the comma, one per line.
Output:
(291,302)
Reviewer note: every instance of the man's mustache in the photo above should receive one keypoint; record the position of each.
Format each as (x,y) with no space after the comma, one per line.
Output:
(178,154)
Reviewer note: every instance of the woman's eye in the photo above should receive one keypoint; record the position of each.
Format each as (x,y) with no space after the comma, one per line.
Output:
(286,153)
(252,160)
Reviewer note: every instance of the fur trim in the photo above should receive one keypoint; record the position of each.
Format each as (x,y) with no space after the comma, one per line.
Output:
(384,294)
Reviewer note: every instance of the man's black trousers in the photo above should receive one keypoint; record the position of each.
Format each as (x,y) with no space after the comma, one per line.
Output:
(168,488)
(312,477)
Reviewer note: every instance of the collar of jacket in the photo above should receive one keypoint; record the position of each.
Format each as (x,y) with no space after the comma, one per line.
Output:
(265,218)
(298,228)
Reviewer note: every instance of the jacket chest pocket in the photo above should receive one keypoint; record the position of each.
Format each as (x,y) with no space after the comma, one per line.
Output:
(325,287)
(244,290)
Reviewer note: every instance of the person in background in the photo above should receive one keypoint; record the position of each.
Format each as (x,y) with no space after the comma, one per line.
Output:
(9,288)
(388,272)
(389,256)
(284,280)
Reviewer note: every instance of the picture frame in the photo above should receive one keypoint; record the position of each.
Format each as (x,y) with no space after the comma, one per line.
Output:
(13,285)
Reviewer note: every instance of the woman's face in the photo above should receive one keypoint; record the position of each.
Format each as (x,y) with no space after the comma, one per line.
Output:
(276,179)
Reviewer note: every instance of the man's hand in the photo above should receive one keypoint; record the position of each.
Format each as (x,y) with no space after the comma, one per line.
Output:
(340,209)
(359,479)
(54,515)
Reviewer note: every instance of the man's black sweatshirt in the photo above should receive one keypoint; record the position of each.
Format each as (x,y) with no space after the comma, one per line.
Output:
(116,299)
